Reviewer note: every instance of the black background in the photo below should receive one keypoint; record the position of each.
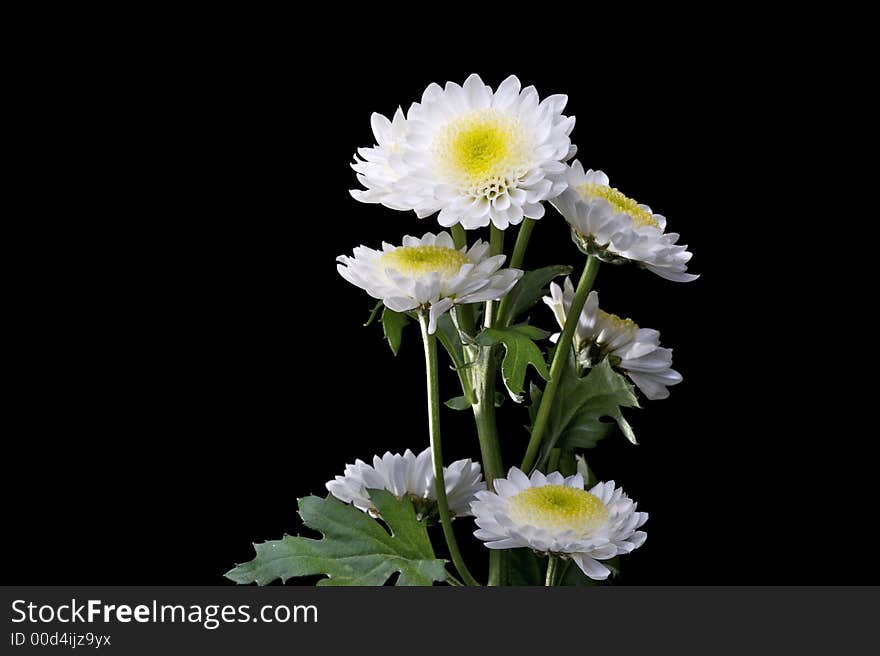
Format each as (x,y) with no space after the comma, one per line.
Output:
(192,363)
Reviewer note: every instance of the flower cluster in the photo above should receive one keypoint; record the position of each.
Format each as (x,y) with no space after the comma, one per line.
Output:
(479,157)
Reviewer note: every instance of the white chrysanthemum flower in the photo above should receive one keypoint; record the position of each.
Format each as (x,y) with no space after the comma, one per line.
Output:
(380,167)
(634,351)
(615,228)
(428,273)
(475,155)
(410,476)
(556,516)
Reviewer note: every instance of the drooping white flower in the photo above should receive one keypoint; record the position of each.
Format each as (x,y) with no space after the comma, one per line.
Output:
(616,228)
(428,273)
(410,476)
(634,351)
(555,515)
(474,155)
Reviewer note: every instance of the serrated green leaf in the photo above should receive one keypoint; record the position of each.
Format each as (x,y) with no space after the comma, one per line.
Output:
(520,351)
(392,326)
(355,549)
(580,403)
(458,403)
(530,288)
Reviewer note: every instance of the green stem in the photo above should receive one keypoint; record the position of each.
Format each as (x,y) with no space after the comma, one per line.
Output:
(483,376)
(552,566)
(483,381)
(496,247)
(553,461)
(430,343)
(522,242)
(516,260)
(559,359)
(496,241)
(461,368)
(466,318)
(454,582)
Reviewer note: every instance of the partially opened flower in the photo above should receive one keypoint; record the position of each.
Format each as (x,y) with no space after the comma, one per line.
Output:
(410,476)
(634,351)
(474,155)
(428,274)
(615,228)
(556,516)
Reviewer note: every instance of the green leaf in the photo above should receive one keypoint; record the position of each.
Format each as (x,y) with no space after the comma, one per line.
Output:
(567,463)
(392,325)
(355,549)
(530,288)
(458,403)
(580,403)
(525,567)
(448,335)
(584,470)
(535,394)
(520,351)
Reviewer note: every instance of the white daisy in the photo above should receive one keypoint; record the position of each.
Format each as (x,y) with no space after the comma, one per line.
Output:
(471,153)
(615,228)
(428,273)
(556,516)
(634,351)
(409,476)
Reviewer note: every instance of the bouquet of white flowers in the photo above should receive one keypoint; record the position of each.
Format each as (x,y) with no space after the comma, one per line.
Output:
(483,159)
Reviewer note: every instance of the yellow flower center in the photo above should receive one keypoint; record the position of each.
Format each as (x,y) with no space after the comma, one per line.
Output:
(482,152)
(639,215)
(558,508)
(620,325)
(418,260)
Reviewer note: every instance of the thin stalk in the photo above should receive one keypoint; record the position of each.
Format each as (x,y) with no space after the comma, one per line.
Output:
(483,376)
(553,461)
(559,359)
(454,582)
(496,247)
(461,368)
(516,260)
(552,567)
(466,316)
(430,343)
(496,241)
(522,243)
